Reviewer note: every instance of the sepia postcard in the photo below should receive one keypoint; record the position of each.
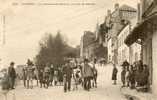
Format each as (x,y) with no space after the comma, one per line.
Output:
(78,49)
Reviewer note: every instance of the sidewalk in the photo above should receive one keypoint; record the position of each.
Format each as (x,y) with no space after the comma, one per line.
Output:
(127,92)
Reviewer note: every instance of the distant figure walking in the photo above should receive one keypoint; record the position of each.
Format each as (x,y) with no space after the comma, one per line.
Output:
(30,73)
(24,76)
(46,76)
(95,74)
(12,75)
(41,77)
(67,75)
(51,74)
(87,75)
(114,74)
(123,73)
(132,77)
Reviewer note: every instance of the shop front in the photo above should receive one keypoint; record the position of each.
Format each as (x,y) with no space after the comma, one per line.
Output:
(147,32)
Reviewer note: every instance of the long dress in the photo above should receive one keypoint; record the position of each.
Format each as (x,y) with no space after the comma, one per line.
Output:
(114,74)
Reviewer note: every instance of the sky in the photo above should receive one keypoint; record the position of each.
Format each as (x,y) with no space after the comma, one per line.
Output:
(25,25)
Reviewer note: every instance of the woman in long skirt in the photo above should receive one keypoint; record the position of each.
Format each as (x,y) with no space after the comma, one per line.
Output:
(114,74)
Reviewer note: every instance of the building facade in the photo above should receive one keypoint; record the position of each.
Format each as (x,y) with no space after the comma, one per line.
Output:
(115,23)
(123,50)
(109,47)
(132,53)
(146,30)
(87,45)
(81,47)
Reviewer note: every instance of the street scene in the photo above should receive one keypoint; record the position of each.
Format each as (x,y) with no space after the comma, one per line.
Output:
(105,90)
(74,49)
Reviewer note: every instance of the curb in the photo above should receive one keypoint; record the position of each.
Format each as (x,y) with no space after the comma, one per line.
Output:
(136,96)
(129,96)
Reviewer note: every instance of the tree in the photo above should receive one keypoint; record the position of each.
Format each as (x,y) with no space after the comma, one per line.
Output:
(45,54)
(59,49)
(53,50)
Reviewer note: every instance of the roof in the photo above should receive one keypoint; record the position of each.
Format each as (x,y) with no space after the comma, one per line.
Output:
(123,27)
(127,8)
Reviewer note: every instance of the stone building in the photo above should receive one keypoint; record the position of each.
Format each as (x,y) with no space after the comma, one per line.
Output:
(146,31)
(132,53)
(114,24)
(87,45)
(123,50)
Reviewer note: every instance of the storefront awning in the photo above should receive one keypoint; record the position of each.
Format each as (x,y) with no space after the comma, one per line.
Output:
(137,32)
(134,35)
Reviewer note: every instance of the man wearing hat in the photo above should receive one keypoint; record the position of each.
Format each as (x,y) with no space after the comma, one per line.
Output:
(87,75)
(11,75)
(67,75)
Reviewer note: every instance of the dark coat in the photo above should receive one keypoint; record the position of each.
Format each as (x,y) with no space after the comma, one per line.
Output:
(24,74)
(132,77)
(41,75)
(114,74)
(60,76)
(11,72)
(87,71)
(95,71)
(146,76)
(67,70)
(123,73)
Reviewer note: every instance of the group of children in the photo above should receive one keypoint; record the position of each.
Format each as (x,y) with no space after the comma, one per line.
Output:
(135,76)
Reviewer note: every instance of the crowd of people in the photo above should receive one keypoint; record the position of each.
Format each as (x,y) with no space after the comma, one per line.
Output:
(70,75)
(135,76)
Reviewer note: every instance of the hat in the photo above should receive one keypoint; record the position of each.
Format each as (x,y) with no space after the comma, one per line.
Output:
(86,60)
(12,63)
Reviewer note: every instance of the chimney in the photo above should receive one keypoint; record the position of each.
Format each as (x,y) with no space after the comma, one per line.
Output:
(116,7)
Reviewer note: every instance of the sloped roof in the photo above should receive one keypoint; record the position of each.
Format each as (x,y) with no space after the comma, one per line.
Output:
(124,8)
(127,8)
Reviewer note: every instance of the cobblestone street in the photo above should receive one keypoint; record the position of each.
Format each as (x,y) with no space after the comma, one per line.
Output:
(105,91)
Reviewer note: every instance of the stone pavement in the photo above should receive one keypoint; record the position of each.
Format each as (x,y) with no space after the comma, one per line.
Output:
(138,95)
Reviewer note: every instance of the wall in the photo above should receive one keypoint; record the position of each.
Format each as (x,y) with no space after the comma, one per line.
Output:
(123,49)
(123,54)
(135,53)
(154,44)
(109,44)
